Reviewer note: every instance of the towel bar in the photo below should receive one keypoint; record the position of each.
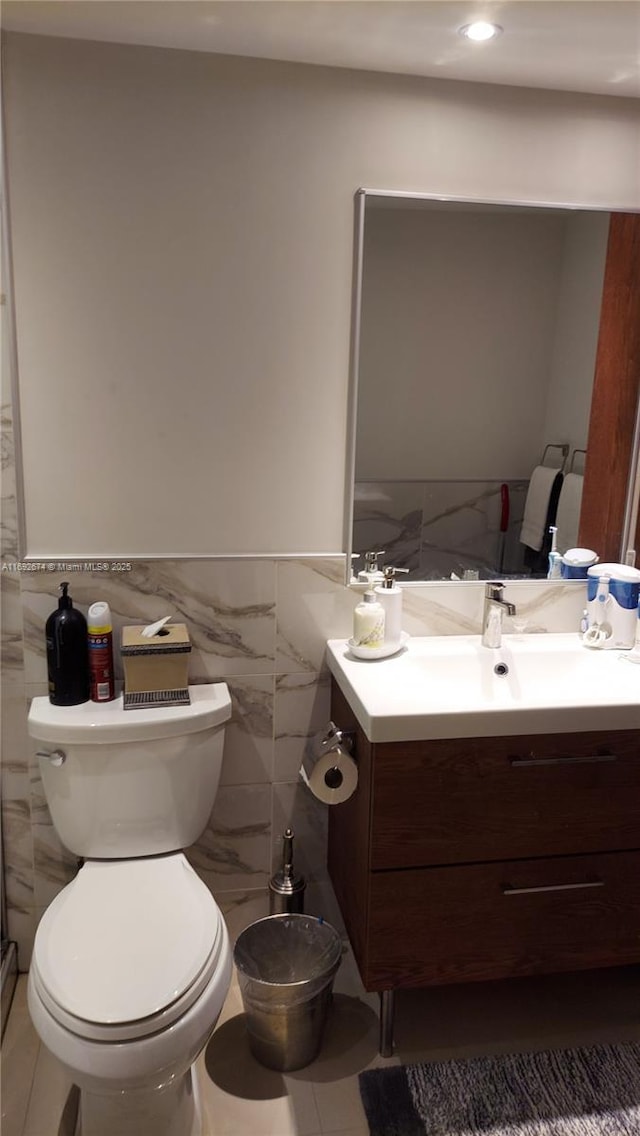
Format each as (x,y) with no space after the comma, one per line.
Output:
(564,446)
(573,458)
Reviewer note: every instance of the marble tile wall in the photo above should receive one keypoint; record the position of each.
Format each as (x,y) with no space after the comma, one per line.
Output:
(260,625)
(438,529)
(280,698)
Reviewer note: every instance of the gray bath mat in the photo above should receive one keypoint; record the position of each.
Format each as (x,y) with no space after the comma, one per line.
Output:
(593,1091)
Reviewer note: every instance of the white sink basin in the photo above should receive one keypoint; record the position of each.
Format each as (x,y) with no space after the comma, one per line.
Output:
(453,687)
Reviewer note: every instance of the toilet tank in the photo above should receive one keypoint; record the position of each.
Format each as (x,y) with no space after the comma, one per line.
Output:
(126,783)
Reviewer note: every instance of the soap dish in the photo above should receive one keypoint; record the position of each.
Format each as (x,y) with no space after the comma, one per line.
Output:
(382,652)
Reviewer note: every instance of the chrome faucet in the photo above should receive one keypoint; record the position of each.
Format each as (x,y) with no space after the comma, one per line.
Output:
(494,608)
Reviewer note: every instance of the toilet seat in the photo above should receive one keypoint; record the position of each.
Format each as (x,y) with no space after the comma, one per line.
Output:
(127,947)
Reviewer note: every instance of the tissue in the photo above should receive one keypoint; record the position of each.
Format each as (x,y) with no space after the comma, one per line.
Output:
(156,668)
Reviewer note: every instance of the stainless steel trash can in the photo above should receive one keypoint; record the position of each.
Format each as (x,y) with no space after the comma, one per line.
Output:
(286,966)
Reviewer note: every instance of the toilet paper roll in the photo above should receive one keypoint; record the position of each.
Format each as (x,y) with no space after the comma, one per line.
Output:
(332,778)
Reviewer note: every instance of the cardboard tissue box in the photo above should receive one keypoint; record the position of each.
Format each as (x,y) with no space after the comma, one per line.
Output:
(156,668)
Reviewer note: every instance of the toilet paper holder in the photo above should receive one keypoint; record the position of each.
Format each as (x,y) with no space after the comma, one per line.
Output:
(329,768)
(331,739)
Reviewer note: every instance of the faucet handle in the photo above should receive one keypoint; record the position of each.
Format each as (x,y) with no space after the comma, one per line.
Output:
(495,593)
(494,589)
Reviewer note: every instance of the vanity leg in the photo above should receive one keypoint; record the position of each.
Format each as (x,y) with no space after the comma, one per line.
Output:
(386,1022)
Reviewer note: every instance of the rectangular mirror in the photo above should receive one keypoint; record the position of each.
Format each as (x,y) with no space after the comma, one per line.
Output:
(475,342)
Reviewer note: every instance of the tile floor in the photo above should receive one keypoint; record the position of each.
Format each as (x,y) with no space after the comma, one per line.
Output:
(241,1098)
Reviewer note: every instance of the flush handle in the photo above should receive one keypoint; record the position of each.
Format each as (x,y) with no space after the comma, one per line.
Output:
(56,756)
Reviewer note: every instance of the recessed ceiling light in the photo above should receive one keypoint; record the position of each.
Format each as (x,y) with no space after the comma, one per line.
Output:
(480,30)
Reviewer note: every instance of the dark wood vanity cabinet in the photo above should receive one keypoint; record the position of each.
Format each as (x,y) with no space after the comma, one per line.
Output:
(472,859)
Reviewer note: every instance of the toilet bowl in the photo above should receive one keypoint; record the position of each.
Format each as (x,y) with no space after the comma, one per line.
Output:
(131,963)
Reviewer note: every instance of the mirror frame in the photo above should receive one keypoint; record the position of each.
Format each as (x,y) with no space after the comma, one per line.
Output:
(627,428)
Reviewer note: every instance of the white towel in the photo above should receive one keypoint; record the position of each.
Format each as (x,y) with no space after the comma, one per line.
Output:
(536,506)
(568,515)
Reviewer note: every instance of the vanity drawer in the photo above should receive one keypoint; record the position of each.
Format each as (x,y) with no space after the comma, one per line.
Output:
(489,921)
(467,800)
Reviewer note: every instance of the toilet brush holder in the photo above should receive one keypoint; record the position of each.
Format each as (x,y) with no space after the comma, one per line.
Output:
(286,890)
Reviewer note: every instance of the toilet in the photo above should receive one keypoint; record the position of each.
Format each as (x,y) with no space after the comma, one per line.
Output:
(131,962)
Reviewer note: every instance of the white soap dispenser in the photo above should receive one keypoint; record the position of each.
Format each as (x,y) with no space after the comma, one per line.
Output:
(368,623)
(371,574)
(390,596)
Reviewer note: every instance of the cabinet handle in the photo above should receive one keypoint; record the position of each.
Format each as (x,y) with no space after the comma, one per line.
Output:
(520,762)
(507,889)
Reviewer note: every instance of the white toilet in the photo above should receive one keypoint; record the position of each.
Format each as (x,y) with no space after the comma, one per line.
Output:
(131,963)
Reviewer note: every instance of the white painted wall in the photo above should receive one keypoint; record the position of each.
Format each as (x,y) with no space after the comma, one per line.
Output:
(478,341)
(458,320)
(182,232)
(576,334)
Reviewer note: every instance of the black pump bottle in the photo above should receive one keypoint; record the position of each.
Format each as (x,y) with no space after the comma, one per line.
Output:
(67,653)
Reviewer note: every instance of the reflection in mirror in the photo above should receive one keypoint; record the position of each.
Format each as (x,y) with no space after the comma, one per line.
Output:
(478,329)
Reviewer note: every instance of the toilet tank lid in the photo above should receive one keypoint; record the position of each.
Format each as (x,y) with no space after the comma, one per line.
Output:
(108,722)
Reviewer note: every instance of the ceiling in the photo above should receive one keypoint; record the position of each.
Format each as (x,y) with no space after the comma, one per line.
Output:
(591,46)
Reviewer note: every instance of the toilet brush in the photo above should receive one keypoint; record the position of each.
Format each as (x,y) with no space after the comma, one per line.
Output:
(286,890)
